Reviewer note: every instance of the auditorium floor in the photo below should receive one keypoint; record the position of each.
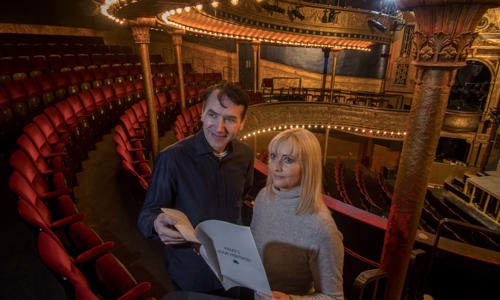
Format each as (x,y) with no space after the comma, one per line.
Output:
(111,202)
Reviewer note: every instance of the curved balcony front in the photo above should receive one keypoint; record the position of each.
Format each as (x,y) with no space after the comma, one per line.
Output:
(382,123)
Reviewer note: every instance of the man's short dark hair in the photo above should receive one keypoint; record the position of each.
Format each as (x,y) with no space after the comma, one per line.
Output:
(232,91)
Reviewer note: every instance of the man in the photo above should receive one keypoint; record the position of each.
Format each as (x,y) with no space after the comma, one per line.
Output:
(206,176)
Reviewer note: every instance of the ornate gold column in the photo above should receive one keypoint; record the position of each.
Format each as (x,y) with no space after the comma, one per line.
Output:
(325,147)
(256,64)
(441,41)
(335,53)
(177,41)
(326,54)
(140,32)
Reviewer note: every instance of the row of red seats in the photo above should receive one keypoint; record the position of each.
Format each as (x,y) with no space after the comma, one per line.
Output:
(33,48)
(339,181)
(204,78)
(15,67)
(66,244)
(188,121)
(32,44)
(21,100)
(45,89)
(131,135)
(373,207)
(50,152)
(383,186)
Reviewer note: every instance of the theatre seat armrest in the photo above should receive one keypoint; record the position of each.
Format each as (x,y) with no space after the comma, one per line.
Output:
(68,220)
(56,154)
(136,292)
(95,252)
(57,193)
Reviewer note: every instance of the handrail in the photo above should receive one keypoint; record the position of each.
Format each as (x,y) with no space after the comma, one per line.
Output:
(364,279)
(442,223)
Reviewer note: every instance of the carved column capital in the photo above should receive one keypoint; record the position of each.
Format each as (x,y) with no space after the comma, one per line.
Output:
(255,45)
(441,49)
(140,33)
(445,29)
(177,37)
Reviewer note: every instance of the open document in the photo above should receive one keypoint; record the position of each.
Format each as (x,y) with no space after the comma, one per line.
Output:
(228,249)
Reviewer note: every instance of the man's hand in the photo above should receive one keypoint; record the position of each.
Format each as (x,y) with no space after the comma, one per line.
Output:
(276,296)
(164,227)
(280,296)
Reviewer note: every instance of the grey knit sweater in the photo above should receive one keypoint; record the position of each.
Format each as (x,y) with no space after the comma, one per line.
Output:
(303,254)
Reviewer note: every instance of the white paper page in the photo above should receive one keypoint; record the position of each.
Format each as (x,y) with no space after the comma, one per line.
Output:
(207,251)
(183,224)
(239,260)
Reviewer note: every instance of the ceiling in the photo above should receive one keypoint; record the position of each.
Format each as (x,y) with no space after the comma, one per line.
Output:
(285,22)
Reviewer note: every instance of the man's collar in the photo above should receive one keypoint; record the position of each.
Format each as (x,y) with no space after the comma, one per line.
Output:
(203,147)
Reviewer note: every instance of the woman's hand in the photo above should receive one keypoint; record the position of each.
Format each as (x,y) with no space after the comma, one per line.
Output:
(164,227)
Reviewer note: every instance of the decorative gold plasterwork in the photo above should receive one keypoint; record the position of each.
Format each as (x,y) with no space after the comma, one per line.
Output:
(441,48)
(140,34)
(357,120)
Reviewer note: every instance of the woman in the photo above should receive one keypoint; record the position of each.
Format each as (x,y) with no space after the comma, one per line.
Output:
(299,242)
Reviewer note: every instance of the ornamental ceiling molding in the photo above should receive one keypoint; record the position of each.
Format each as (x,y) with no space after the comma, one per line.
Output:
(248,20)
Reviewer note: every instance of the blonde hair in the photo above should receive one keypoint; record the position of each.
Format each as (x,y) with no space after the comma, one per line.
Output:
(307,151)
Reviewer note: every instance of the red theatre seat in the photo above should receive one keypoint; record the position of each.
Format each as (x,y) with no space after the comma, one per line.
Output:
(113,278)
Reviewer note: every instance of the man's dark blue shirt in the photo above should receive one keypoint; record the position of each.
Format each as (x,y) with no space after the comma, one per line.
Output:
(189,177)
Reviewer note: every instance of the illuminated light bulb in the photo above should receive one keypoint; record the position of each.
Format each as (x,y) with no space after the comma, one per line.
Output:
(378,131)
(274,128)
(342,127)
(385,132)
(199,7)
(355,129)
(348,128)
(215,4)
(171,12)
(371,131)
(328,126)
(187,8)
(178,10)
(363,131)
(234,2)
